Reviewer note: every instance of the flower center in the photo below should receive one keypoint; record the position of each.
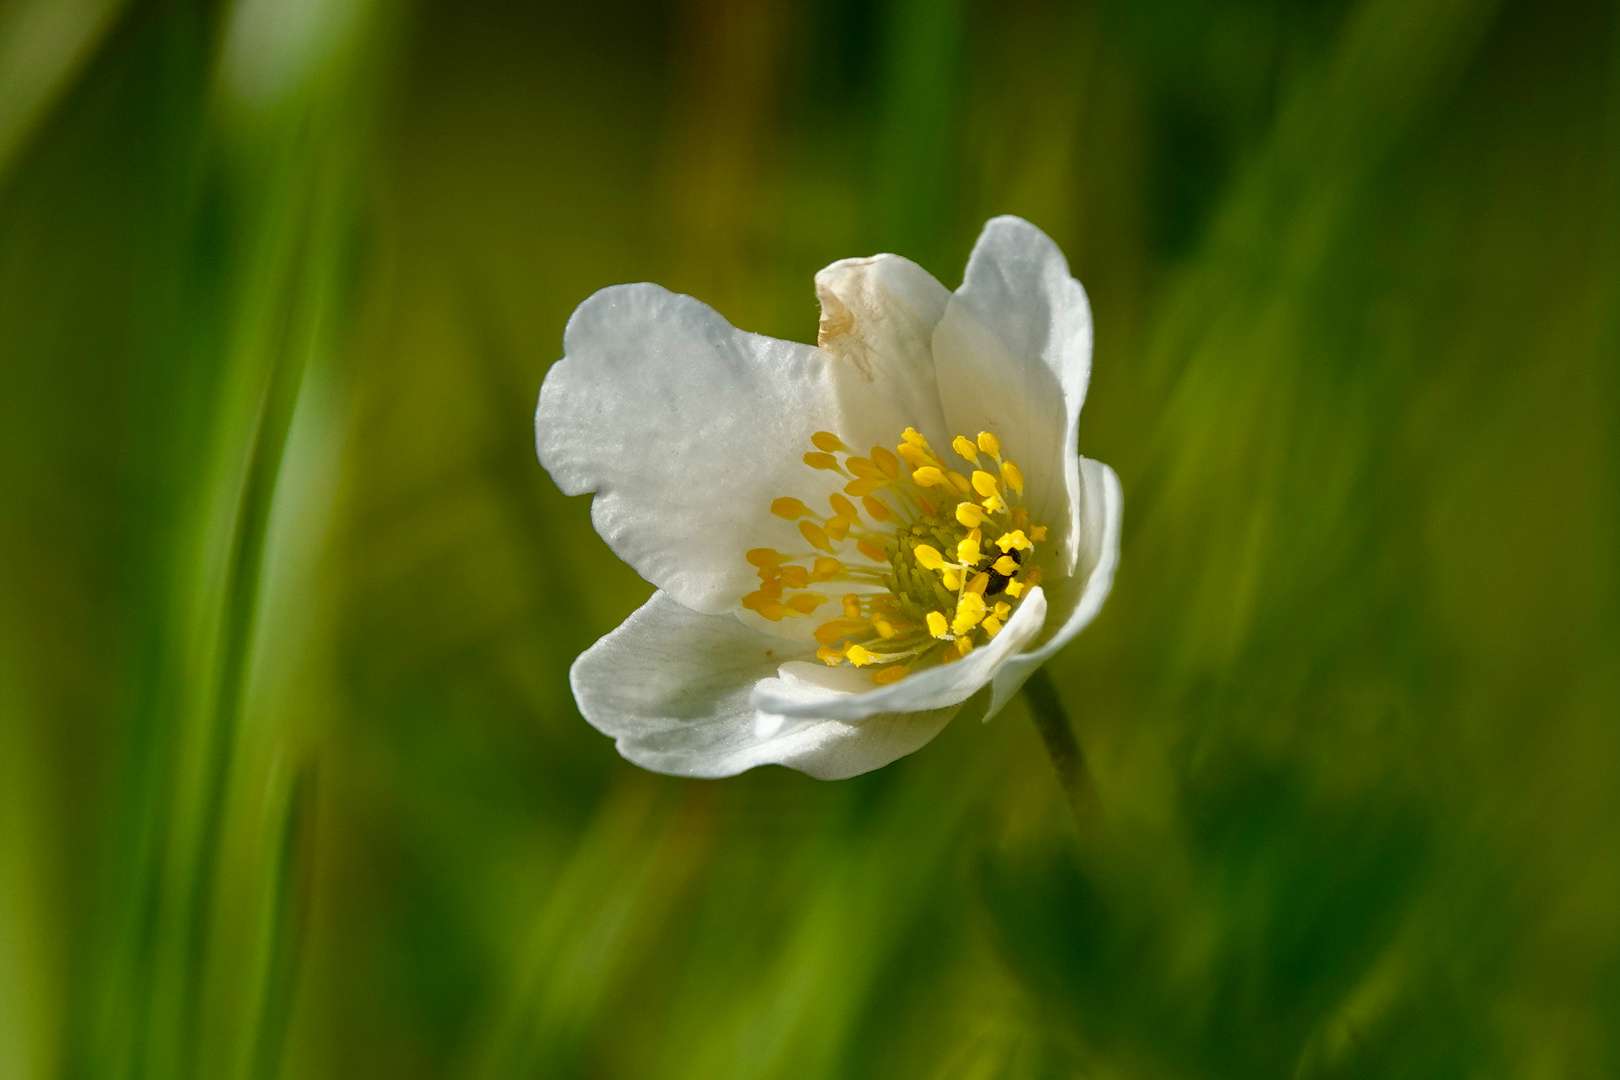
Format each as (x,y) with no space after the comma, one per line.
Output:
(941,558)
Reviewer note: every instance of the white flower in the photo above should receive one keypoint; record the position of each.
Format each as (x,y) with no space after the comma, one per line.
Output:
(819,606)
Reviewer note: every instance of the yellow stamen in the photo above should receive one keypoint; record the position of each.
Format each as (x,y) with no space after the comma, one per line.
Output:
(965,449)
(837,526)
(989,444)
(795,577)
(1033,578)
(843,507)
(883,626)
(993,505)
(1014,478)
(806,603)
(876,508)
(937,624)
(1015,539)
(1002,610)
(969,514)
(818,538)
(991,625)
(770,608)
(967,551)
(984,483)
(928,476)
(771,587)
(1038,533)
(862,486)
(1015,589)
(852,606)
(834,629)
(832,444)
(891,674)
(763,557)
(964,645)
(911,436)
(912,454)
(863,468)
(871,551)
(951,580)
(959,482)
(789,509)
(821,461)
(969,613)
(1006,566)
(886,462)
(826,568)
(928,558)
(979,583)
(829,655)
(861,657)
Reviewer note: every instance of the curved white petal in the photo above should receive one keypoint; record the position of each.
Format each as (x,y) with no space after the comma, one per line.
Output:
(813,689)
(686,428)
(1102,505)
(878,316)
(1013,355)
(671,686)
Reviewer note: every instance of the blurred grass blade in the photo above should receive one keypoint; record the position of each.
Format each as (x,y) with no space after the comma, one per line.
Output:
(43,44)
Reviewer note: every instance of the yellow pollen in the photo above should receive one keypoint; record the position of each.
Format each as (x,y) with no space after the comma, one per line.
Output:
(984,483)
(891,674)
(886,462)
(951,580)
(1015,589)
(967,551)
(992,625)
(789,509)
(979,583)
(1038,533)
(928,476)
(862,486)
(871,551)
(937,625)
(1015,539)
(883,626)
(843,507)
(821,461)
(852,606)
(969,514)
(1014,478)
(876,508)
(834,629)
(763,557)
(965,449)
(826,569)
(969,613)
(837,527)
(817,537)
(806,602)
(861,657)
(829,655)
(1006,566)
(832,444)
(929,558)
(989,444)
(795,577)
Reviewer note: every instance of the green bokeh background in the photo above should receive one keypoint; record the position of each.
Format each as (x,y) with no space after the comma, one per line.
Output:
(291,783)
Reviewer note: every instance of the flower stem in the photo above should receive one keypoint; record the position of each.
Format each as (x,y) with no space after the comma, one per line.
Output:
(1046,709)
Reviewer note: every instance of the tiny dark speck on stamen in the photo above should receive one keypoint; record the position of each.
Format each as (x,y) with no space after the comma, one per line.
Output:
(770,652)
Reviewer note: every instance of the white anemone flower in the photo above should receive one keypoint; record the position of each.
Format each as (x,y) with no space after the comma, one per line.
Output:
(822,605)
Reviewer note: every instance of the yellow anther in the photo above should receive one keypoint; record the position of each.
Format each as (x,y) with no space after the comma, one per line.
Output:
(1002,610)
(1038,533)
(795,577)
(1014,478)
(928,558)
(871,551)
(929,507)
(861,657)
(959,483)
(980,582)
(769,573)
(937,624)
(951,580)
(826,568)
(911,436)
(876,508)
(863,468)
(835,629)
(912,454)
(806,602)
(1015,589)
(1015,539)
(826,440)
(928,476)
(862,486)
(967,551)
(993,505)
(836,526)
(969,613)
(984,483)
(992,625)
(1033,578)
(969,514)
(789,508)
(817,537)
(965,449)
(883,626)
(763,557)
(949,655)
(989,444)
(852,606)
(891,674)
(964,645)
(821,461)
(1006,566)
(886,462)
(829,655)
(843,507)
(1019,517)
(770,608)
(771,587)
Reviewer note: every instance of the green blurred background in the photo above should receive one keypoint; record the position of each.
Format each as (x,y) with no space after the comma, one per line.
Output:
(291,783)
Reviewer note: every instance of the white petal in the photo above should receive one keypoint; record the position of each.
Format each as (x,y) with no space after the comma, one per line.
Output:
(1013,355)
(878,315)
(686,428)
(813,689)
(1102,505)
(671,686)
